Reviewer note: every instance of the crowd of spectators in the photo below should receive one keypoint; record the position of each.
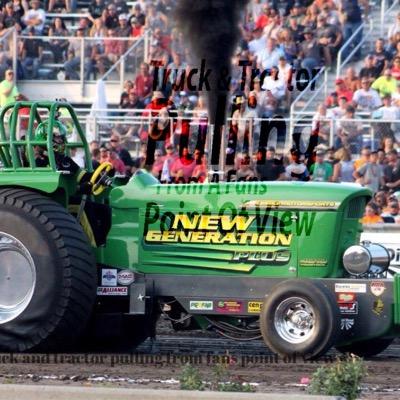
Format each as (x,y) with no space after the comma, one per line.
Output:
(110,27)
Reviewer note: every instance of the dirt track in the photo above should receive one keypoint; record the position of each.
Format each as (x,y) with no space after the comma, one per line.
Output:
(158,366)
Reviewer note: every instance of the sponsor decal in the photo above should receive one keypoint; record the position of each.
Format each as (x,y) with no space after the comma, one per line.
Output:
(204,237)
(254,307)
(125,277)
(229,306)
(299,204)
(346,324)
(279,257)
(112,291)
(378,307)
(377,288)
(313,262)
(265,228)
(349,308)
(350,287)
(201,305)
(346,297)
(108,277)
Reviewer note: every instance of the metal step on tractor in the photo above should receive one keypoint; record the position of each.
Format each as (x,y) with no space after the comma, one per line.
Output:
(92,259)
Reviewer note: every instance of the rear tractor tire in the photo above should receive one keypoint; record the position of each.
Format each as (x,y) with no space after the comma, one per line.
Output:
(300,318)
(47,274)
(366,348)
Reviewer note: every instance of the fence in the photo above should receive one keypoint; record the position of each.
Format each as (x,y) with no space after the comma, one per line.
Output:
(82,59)
(192,130)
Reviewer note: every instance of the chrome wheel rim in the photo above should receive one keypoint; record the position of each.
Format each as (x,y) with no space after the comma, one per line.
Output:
(17,277)
(294,320)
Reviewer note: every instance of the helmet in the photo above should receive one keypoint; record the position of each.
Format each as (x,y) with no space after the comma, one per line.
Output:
(59,135)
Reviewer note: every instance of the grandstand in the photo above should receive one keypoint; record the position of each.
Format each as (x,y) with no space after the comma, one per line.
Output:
(98,55)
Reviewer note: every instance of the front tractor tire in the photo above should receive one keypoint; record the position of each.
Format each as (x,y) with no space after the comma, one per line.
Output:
(47,274)
(300,318)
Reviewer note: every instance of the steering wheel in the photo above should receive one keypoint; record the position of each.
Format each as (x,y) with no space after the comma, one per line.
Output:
(100,177)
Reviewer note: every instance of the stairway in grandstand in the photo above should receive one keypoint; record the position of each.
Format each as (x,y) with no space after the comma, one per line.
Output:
(370,38)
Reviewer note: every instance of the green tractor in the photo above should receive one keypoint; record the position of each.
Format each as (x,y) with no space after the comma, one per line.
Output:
(99,259)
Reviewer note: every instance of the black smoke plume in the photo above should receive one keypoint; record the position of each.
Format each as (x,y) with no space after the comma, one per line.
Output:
(211,29)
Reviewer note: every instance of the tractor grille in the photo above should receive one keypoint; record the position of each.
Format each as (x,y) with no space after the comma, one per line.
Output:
(356,207)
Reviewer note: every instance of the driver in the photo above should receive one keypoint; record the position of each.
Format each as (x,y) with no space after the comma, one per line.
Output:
(63,161)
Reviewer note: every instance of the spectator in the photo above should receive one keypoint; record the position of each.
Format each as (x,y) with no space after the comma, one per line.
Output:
(268,167)
(386,112)
(370,174)
(183,167)
(329,37)
(365,155)
(392,172)
(366,98)
(343,170)
(385,84)
(341,91)
(11,17)
(297,170)
(31,53)
(339,111)
(349,131)
(321,171)
(168,161)
(288,45)
(382,56)
(393,212)
(118,165)
(58,47)
(35,17)
(8,89)
(95,154)
(111,21)
(132,101)
(157,166)
(395,70)
(121,6)
(138,14)
(144,83)
(62,5)
(371,215)
(245,171)
(369,71)
(121,152)
(310,51)
(74,57)
(395,27)
(123,30)
(351,18)
(269,56)
(112,52)
(276,86)
(136,29)
(5,58)
(296,30)
(96,8)
(200,171)
(351,80)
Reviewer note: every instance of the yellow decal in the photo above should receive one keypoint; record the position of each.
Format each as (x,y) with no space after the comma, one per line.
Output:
(254,307)
(271,239)
(313,262)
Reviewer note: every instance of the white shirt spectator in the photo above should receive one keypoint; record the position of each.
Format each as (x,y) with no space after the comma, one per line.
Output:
(257,45)
(275,86)
(268,59)
(367,100)
(33,14)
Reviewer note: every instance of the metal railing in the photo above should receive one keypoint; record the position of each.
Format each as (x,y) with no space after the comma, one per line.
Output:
(133,52)
(137,53)
(308,91)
